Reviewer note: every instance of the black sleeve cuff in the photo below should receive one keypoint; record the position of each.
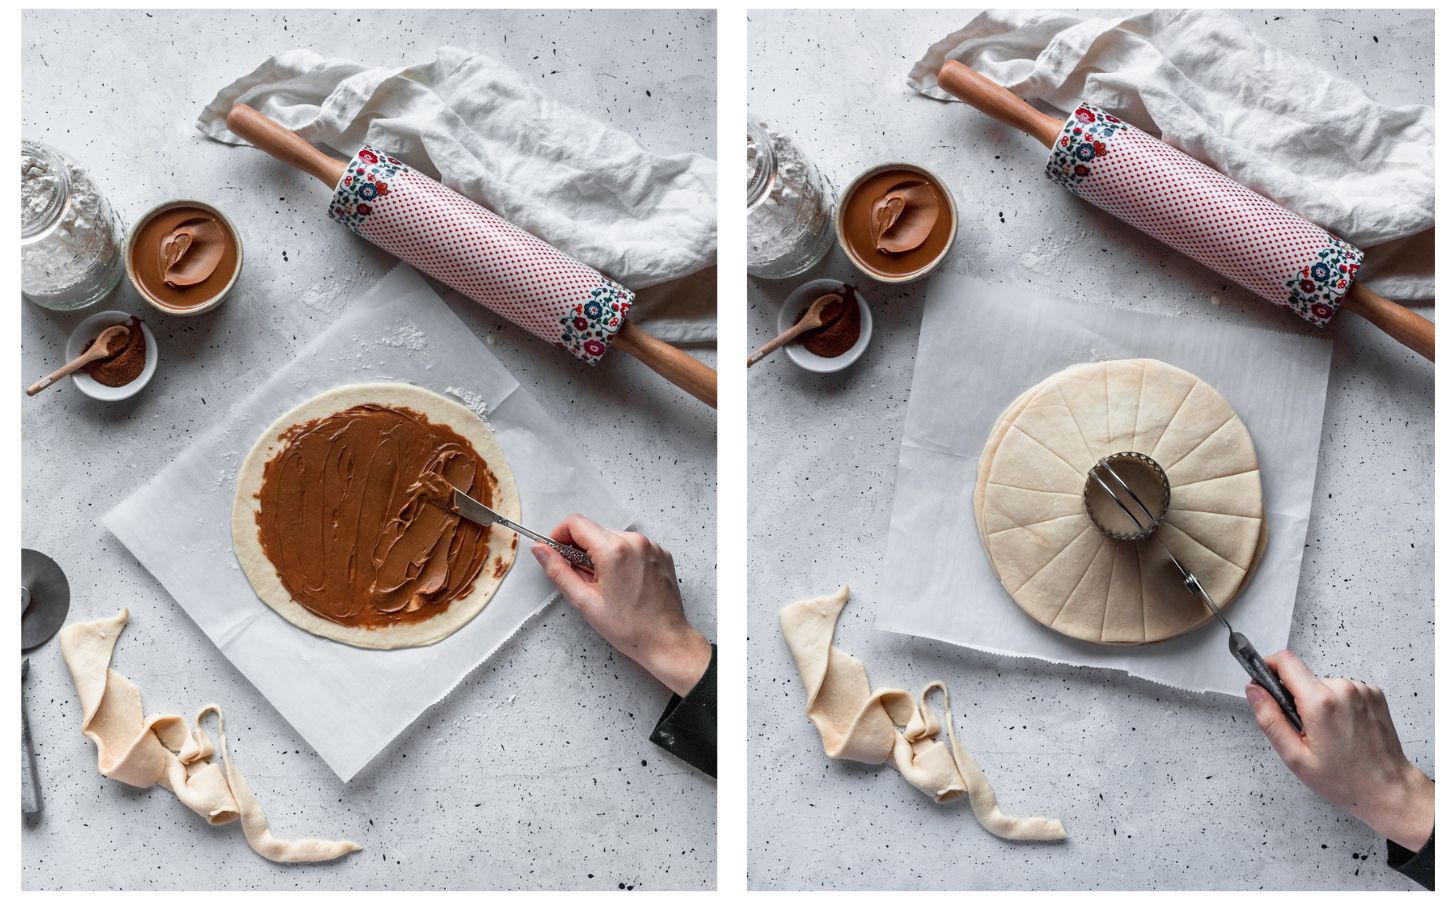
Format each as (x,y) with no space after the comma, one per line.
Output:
(1419,867)
(688,728)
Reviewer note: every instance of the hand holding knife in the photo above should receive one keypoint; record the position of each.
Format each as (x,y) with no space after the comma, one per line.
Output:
(467,507)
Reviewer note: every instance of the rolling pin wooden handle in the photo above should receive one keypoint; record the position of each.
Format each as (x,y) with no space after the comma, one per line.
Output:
(965,83)
(1405,325)
(282,144)
(669,362)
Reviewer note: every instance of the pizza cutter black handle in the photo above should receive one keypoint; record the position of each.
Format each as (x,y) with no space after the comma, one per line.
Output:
(30,803)
(1253,663)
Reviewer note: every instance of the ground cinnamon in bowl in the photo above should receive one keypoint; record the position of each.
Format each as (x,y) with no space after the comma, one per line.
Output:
(837,335)
(127,360)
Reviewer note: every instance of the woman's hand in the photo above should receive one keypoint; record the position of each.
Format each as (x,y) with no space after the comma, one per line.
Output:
(1349,752)
(631,599)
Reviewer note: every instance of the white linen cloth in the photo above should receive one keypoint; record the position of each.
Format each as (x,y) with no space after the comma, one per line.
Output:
(1206,84)
(479,127)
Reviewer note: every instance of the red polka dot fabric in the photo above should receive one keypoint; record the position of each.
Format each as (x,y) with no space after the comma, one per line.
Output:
(1170,196)
(457,241)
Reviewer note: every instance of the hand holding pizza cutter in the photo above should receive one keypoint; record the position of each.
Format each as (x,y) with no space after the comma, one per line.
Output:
(1168,195)
(456,240)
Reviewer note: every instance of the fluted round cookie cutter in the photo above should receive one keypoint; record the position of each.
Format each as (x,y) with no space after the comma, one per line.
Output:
(1128,498)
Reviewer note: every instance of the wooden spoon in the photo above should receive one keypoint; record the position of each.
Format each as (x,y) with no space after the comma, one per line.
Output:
(97,351)
(815,318)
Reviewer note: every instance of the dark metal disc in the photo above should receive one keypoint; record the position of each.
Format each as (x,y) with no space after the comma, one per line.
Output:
(50,599)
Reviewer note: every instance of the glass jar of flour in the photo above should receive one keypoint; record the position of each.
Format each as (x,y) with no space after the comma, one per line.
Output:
(790,206)
(70,239)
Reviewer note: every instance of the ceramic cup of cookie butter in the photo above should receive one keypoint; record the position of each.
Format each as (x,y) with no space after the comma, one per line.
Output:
(183,257)
(896,222)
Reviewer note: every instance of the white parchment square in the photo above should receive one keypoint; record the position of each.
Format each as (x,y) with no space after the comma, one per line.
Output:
(981,345)
(350,703)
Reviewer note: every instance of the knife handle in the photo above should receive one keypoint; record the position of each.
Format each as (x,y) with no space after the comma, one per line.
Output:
(574,555)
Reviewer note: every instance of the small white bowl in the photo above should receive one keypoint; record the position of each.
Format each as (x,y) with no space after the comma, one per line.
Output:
(800,300)
(88,331)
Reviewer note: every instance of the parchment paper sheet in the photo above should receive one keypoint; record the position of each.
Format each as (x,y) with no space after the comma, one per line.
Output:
(350,703)
(981,345)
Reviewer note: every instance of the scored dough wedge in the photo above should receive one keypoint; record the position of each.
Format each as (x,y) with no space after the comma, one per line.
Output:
(1056,565)
(501,542)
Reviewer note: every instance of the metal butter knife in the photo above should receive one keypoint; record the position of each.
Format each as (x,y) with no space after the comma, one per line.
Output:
(467,507)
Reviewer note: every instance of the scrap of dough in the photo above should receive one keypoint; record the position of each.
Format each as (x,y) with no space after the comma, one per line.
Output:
(866,727)
(501,552)
(165,750)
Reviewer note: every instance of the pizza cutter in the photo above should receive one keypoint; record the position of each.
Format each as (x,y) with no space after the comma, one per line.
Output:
(45,598)
(454,239)
(1172,197)
(1145,521)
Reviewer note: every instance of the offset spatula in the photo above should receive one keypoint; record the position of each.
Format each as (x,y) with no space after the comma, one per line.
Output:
(454,239)
(1172,197)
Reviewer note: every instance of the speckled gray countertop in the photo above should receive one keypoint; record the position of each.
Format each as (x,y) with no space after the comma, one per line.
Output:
(537,771)
(1159,788)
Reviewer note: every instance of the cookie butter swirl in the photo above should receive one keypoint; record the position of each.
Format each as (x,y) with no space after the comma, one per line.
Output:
(191,251)
(904,216)
(347,519)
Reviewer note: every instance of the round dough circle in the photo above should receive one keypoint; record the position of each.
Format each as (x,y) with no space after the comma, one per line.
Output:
(501,544)
(1054,562)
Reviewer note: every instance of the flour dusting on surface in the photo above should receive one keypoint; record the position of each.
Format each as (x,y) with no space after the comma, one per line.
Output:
(330,293)
(229,471)
(323,298)
(405,337)
(1049,258)
(473,401)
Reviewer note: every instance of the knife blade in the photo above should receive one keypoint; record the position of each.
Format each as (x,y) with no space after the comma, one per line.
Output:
(467,507)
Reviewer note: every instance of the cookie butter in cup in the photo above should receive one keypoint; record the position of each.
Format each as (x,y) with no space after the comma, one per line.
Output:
(896,222)
(183,257)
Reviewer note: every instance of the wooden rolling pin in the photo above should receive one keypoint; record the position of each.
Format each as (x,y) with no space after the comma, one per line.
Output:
(454,239)
(1168,195)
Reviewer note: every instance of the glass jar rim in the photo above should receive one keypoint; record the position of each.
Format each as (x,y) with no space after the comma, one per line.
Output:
(761,176)
(47,216)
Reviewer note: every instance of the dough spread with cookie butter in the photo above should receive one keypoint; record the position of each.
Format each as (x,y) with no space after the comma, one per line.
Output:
(349,515)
